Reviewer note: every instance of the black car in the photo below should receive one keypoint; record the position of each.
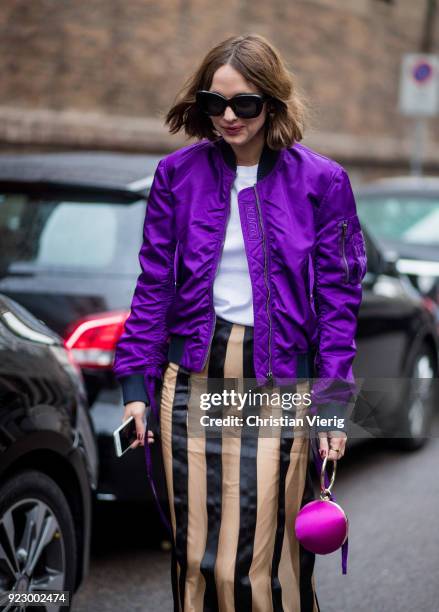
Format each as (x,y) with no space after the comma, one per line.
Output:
(397,356)
(48,459)
(70,230)
(71,226)
(403,215)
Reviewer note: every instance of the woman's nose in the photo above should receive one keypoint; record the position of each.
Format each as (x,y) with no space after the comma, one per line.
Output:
(229,115)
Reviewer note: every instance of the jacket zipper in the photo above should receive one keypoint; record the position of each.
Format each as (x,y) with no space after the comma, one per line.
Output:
(212,331)
(344,227)
(269,374)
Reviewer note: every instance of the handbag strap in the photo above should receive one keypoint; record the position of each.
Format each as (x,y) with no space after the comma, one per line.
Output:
(318,464)
(150,382)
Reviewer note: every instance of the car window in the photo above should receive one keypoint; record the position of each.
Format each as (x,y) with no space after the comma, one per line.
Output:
(406,218)
(51,233)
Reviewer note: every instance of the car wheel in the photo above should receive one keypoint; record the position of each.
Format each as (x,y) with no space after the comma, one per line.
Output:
(37,539)
(417,404)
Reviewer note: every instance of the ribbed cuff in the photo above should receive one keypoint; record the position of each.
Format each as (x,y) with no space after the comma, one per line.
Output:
(133,388)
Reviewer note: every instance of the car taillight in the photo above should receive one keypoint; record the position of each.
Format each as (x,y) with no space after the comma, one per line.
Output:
(92,339)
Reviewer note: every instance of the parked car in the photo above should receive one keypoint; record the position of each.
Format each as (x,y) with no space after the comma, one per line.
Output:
(397,354)
(403,215)
(48,458)
(71,229)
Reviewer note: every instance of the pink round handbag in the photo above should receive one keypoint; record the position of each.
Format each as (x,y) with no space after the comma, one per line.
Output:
(321,526)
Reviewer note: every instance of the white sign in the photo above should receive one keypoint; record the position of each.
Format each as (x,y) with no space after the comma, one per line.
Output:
(419,85)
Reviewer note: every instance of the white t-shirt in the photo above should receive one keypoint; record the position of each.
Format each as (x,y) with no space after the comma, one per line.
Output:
(232,289)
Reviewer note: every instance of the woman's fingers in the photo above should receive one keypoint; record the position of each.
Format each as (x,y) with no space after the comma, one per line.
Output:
(324,444)
(141,441)
(140,426)
(337,441)
(330,443)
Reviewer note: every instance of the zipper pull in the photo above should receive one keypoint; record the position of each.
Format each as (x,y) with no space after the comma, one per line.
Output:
(269,382)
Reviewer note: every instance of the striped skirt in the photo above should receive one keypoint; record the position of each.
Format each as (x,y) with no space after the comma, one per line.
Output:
(233,494)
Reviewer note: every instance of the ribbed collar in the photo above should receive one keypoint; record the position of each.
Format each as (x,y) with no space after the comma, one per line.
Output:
(267,160)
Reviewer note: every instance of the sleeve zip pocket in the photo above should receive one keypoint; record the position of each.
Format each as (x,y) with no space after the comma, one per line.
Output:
(352,250)
(177,266)
(344,229)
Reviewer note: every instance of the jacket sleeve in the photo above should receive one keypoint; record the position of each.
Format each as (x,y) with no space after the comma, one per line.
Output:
(141,350)
(340,265)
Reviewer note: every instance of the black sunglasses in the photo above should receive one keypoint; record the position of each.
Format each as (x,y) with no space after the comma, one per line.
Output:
(245,106)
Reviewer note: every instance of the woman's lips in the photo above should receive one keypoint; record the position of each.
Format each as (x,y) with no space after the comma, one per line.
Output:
(233,130)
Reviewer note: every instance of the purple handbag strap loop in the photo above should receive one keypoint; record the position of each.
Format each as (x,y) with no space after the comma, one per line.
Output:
(318,464)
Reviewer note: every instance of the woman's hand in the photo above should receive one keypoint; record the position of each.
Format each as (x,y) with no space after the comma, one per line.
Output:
(137,410)
(332,440)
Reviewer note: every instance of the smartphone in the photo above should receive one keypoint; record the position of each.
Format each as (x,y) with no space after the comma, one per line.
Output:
(124,436)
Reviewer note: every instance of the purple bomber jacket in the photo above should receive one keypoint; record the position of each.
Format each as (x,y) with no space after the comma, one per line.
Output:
(306,257)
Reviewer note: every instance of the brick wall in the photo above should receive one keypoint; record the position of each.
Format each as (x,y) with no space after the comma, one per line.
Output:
(100,73)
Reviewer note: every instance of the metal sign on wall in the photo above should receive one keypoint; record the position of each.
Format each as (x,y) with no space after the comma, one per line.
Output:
(419,85)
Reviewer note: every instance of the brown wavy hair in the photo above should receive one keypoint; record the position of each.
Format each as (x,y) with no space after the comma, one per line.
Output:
(260,63)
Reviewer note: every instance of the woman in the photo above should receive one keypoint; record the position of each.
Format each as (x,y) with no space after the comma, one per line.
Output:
(252,262)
